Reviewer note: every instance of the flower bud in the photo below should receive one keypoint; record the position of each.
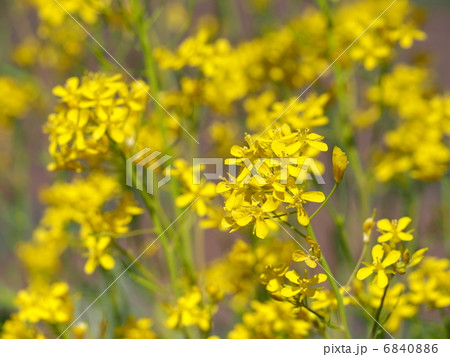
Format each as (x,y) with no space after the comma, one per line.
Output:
(367,229)
(340,163)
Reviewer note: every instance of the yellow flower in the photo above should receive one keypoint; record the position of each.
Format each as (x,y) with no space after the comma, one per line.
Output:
(136,328)
(15,99)
(203,192)
(259,215)
(407,34)
(270,319)
(379,265)
(430,283)
(188,311)
(299,199)
(302,286)
(340,163)
(97,254)
(311,257)
(393,230)
(273,277)
(45,302)
(93,112)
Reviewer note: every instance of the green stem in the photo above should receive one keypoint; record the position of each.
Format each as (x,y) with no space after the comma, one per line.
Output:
(358,264)
(151,280)
(293,228)
(168,252)
(334,286)
(376,322)
(324,202)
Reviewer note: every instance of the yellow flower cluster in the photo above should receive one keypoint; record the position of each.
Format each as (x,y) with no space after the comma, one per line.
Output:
(201,192)
(392,257)
(43,302)
(427,285)
(309,113)
(81,202)
(271,319)
(230,73)
(136,329)
(271,168)
(93,113)
(378,43)
(58,42)
(15,99)
(234,275)
(190,311)
(293,55)
(418,146)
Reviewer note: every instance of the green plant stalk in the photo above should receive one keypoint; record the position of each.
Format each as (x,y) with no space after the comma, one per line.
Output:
(343,128)
(168,252)
(358,264)
(378,313)
(325,201)
(342,234)
(334,286)
(158,226)
(151,74)
(338,223)
(182,247)
(293,228)
(152,281)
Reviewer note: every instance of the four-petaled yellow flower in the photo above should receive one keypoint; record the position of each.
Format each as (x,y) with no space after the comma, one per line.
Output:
(379,265)
(393,230)
(302,285)
(98,254)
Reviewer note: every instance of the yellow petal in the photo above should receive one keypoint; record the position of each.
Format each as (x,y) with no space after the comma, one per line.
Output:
(289,291)
(273,285)
(293,148)
(403,223)
(384,225)
(313,196)
(90,266)
(318,145)
(261,228)
(299,256)
(270,205)
(302,217)
(385,237)
(278,148)
(236,151)
(363,273)
(377,252)
(103,243)
(292,276)
(107,261)
(243,221)
(185,199)
(391,258)
(382,279)
(405,236)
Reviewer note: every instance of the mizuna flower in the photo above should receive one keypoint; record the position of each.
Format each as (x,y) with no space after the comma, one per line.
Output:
(393,230)
(378,266)
(97,253)
(302,286)
(301,197)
